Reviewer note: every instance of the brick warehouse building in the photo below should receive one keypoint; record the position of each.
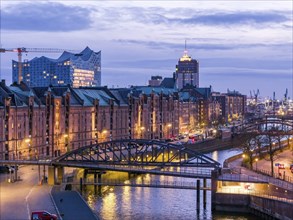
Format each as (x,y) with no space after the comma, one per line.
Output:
(45,122)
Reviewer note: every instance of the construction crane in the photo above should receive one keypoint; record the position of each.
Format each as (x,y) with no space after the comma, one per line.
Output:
(21,50)
(256,95)
(286,95)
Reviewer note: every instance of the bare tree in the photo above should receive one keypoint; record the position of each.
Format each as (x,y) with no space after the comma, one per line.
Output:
(246,142)
(271,148)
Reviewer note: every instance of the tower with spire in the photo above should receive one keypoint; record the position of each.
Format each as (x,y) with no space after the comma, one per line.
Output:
(187,71)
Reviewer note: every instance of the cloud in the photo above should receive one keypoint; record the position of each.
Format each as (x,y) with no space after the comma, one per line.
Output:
(201,46)
(233,18)
(50,17)
(189,16)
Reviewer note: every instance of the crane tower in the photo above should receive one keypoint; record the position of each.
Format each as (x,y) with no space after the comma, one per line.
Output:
(21,50)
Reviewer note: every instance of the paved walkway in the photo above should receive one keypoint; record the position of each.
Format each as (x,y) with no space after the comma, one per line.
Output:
(72,206)
(19,199)
(283,157)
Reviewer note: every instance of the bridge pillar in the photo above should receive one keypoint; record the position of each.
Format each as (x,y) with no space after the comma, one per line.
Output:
(214,186)
(197,194)
(204,193)
(85,172)
(15,172)
(39,174)
(99,181)
(51,175)
(60,174)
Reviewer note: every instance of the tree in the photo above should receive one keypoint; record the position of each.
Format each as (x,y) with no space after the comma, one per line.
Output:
(246,142)
(271,148)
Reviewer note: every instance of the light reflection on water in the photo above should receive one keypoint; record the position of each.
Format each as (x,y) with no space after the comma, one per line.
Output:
(131,203)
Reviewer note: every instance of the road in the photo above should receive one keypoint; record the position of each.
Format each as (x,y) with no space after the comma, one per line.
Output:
(18,199)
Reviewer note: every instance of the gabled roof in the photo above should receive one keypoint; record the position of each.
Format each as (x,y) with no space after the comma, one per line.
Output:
(168,83)
(101,93)
(6,92)
(153,89)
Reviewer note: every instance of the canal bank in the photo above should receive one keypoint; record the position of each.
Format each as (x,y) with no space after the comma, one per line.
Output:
(240,189)
(71,206)
(211,145)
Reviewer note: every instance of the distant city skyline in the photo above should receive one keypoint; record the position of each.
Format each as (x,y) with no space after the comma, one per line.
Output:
(239,46)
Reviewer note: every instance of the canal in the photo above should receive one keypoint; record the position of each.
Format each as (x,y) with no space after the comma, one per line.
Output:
(131,203)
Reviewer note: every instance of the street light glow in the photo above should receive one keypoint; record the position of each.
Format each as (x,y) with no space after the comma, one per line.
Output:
(27,140)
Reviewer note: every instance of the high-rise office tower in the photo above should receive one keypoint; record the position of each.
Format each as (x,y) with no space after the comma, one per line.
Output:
(187,71)
(81,69)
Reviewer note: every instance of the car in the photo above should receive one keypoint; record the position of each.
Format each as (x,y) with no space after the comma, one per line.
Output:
(6,169)
(43,215)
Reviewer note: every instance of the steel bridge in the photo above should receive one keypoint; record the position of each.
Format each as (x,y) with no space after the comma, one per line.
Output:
(266,124)
(140,156)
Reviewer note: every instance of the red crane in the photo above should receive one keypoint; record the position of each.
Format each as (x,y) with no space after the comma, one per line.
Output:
(21,50)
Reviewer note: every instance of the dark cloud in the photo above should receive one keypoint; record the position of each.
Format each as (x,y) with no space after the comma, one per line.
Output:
(200,46)
(190,16)
(45,17)
(235,18)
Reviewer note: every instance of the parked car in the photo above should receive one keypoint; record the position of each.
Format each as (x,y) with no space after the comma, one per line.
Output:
(43,215)
(6,169)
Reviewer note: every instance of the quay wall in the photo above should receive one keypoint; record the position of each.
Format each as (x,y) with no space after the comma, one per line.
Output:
(265,207)
(275,208)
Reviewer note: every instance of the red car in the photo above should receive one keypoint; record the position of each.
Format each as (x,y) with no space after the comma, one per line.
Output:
(43,215)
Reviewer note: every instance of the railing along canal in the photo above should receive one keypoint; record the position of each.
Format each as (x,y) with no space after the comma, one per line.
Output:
(274,196)
(155,184)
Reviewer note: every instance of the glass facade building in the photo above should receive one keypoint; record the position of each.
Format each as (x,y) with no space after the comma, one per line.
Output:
(82,69)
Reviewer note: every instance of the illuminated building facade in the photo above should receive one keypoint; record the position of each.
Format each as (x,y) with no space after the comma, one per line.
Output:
(45,122)
(82,69)
(187,72)
(232,105)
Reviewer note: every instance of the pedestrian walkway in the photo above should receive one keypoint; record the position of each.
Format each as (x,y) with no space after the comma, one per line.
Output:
(72,206)
(235,165)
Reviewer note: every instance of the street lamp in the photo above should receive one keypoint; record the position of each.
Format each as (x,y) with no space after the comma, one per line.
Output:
(141,131)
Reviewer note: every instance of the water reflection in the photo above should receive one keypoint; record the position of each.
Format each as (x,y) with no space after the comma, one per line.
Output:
(215,156)
(133,203)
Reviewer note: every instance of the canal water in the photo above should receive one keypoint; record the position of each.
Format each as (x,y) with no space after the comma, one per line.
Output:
(137,203)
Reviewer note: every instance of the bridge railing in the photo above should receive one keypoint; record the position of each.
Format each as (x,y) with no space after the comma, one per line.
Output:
(286,178)
(274,196)
(146,183)
(256,178)
(151,169)
(241,178)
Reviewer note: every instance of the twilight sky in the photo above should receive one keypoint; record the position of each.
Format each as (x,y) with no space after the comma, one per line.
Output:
(240,45)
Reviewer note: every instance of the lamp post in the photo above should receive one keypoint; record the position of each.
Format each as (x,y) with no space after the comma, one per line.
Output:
(256,159)
(169,127)
(27,141)
(141,131)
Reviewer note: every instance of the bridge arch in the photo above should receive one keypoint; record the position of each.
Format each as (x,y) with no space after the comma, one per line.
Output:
(137,152)
(257,124)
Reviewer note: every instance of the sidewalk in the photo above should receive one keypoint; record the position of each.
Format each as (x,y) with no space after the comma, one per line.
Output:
(19,199)
(72,206)
(284,156)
